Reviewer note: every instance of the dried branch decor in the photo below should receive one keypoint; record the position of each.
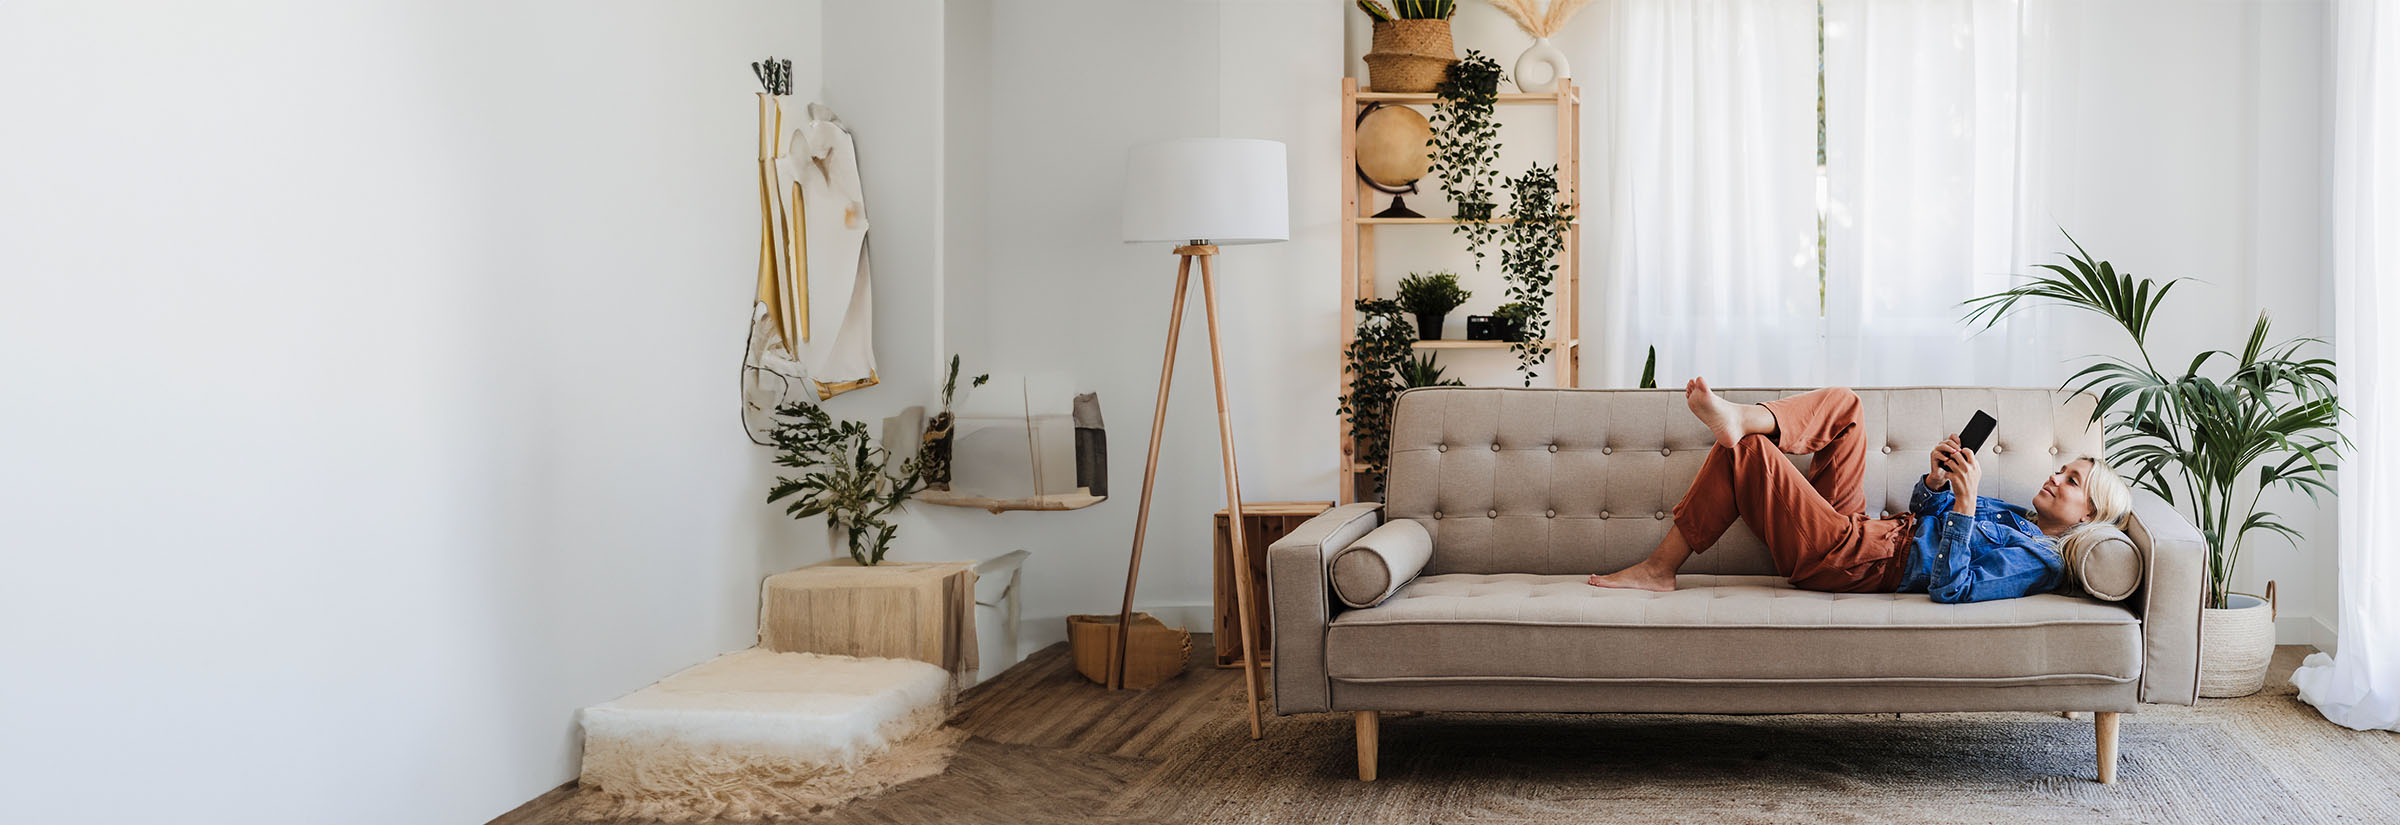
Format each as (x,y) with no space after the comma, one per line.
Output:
(1536,20)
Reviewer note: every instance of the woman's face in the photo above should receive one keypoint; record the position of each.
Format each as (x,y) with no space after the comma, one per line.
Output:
(2063,498)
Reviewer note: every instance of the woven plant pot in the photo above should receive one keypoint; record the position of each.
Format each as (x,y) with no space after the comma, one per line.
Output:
(1409,55)
(2235,644)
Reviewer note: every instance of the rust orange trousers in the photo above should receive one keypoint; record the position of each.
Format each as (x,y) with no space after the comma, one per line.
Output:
(1814,524)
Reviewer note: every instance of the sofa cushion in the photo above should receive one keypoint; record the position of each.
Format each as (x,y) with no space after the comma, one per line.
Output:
(2104,563)
(1514,627)
(1380,562)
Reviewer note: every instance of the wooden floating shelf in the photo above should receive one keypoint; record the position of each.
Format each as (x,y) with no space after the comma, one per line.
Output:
(1428,221)
(1077,500)
(1546,98)
(1457,343)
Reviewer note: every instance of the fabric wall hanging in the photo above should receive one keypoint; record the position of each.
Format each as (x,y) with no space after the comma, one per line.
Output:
(811,325)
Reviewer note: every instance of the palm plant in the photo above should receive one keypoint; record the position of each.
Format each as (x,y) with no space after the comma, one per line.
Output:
(2275,410)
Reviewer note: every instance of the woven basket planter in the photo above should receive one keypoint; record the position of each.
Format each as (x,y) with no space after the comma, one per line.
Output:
(2235,645)
(1409,55)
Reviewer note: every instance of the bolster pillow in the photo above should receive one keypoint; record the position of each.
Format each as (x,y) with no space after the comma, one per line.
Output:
(2103,562)
(1378,563)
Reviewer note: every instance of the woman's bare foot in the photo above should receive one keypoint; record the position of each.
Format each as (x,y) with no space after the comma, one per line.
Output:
(1724,418)
(1644,576)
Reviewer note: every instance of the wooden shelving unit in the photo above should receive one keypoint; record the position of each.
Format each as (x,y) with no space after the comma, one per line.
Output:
(1358,242)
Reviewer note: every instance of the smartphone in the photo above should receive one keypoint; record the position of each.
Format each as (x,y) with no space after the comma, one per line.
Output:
(1978,430)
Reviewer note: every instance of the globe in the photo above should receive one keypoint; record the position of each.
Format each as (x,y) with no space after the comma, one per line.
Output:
(1392,151)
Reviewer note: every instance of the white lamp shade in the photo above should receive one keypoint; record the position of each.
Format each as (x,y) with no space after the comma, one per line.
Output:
(1220,190)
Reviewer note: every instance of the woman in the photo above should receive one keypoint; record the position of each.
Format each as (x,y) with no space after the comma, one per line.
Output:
(1952,544)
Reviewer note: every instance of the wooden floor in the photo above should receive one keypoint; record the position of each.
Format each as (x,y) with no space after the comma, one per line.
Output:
(1080,741)
(1043,745)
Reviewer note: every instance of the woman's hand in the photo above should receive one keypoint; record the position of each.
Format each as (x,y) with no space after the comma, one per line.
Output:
(1938,479)
(1965,477)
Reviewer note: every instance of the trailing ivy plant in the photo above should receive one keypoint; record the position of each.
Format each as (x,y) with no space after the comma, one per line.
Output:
(848,477)
(1466,145)
(1376,363)
(1536,233)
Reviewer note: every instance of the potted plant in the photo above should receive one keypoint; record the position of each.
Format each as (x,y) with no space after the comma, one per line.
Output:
(847,478)
(1412,44)
(1466,147)
(1536,235)
(939,431)
(1423,372)
(1430,298)
(2266,421)
(1515,318)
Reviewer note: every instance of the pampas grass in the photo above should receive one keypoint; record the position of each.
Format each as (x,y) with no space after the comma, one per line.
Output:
(1536,20)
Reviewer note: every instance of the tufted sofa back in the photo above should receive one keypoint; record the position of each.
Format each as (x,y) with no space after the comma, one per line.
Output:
(1565,481)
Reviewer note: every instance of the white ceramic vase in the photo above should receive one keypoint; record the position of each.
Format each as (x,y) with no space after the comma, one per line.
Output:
(1543,61)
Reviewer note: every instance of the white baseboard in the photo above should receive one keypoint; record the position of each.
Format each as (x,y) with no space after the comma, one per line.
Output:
(2304,630)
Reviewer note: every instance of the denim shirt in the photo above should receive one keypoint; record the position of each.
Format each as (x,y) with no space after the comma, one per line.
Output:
(1997,553)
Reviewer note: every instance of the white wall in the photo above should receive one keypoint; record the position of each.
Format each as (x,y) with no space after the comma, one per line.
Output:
(1067,88)
(2186,139)
(370,393)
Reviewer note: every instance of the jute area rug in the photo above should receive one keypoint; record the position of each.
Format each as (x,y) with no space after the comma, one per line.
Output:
(1045,746)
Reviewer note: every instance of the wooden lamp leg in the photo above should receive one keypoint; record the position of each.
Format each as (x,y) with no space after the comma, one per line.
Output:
(1141,519)
(2104,735)
(1243,602)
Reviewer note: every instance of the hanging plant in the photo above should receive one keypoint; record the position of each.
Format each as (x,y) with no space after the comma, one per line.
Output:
(1377,363)
(1535,235)
(1466,146)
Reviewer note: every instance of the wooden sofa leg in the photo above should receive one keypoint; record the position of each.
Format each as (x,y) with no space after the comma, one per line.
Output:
(1366,721)
(2104,729)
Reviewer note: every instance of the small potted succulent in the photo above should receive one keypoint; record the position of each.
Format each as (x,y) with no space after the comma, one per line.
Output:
(1425,372)
(1514,318)
(1431,297)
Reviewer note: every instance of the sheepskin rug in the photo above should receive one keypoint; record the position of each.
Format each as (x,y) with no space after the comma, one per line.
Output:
(757,734)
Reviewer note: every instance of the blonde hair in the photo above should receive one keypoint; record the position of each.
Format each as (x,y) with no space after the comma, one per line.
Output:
(2112,500)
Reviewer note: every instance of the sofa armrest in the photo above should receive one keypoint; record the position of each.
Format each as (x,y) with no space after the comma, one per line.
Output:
(2174,581)
(1301,596)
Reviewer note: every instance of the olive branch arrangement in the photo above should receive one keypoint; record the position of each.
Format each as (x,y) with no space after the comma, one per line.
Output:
(847,478)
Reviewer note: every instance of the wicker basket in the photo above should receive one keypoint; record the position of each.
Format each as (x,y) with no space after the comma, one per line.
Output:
(2236,644)
(1409,55)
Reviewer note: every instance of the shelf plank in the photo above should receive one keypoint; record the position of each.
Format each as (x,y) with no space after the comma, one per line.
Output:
(1428,221)
(1457,343)
(1545,98)
(1077,500)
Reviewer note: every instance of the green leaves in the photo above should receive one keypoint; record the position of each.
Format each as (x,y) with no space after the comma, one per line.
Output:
(847,478)
(1650,370)
(1377,359)
(1466,146)
(1432,293)
(2220,442)
(1535,236)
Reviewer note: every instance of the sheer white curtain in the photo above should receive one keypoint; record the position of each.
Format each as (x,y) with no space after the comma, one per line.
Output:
(1924,151)
(1709,248)
(2359,686)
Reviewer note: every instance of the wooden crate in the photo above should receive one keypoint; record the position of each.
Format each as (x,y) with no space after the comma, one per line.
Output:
(1263,522)
(896,610)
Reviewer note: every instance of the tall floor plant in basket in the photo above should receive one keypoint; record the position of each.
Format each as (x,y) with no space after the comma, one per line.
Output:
(2212,443)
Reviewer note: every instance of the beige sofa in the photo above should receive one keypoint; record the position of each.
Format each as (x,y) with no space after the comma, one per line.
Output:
(1524,492)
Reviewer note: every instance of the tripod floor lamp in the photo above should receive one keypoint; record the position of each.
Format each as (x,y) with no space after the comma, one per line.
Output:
(1199,194)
